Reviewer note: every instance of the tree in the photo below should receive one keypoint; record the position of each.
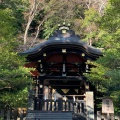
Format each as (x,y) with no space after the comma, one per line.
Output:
(42,17)
(18,7)
(107,73)
(73,12)
(13,77)
(34,8)
(63,11)
(90,25)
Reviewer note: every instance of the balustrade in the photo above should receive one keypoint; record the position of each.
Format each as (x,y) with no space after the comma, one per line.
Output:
(77,106)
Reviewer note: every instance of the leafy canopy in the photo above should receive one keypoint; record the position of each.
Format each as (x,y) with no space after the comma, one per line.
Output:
(13,77)
(106,75)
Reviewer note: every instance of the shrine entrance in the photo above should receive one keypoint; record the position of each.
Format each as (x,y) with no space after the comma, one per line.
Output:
(60,91)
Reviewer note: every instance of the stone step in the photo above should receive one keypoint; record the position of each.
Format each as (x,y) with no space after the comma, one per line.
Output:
(49,116)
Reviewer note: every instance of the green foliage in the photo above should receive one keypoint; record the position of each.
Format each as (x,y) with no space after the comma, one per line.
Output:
(90,24)
(107,73)
(14,98)
(13,80)
(17,7)
(7,23)
(91,16)
(104,31)
(50,25)
(13,77)
(1,118)
(106,76)
(59,12)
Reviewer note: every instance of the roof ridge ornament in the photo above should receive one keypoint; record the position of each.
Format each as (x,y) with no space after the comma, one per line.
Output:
(64,27)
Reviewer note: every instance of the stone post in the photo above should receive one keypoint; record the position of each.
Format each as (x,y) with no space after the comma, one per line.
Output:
(90,105)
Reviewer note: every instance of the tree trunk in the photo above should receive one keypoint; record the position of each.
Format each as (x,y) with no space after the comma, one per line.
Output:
(34,7)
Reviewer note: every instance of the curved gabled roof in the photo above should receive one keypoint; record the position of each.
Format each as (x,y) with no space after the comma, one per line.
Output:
(66,39)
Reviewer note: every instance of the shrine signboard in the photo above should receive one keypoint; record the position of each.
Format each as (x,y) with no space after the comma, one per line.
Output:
(107,105)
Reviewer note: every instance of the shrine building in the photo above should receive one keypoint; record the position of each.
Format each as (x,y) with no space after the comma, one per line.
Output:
(60,90)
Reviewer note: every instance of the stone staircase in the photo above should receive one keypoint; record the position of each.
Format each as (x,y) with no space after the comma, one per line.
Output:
(42,115)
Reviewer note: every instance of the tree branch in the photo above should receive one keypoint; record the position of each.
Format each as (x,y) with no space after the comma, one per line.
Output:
(30,19)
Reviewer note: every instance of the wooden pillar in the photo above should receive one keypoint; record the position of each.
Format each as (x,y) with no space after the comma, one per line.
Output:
(60,104)
(35,103)
(37,94)
(2,113)
(15,113)
(8,114)
(35,88)
(41,92)
(50,92)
